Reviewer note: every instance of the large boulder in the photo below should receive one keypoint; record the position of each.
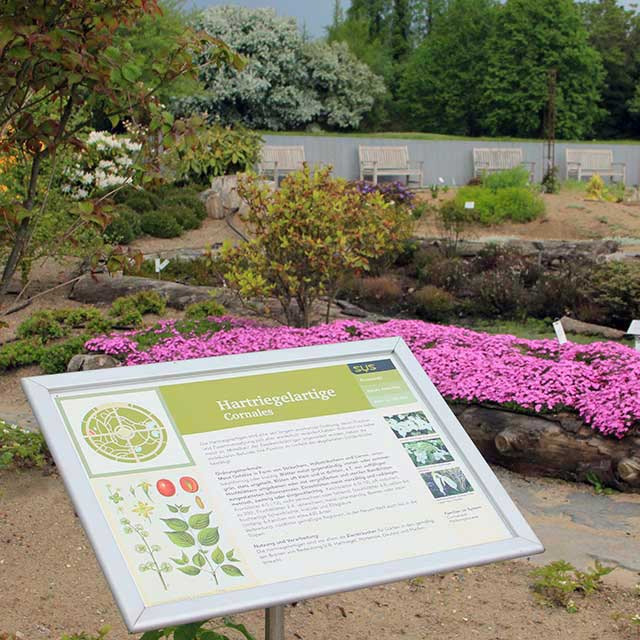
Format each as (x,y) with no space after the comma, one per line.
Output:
(103,289)
(571,325)
(91,362)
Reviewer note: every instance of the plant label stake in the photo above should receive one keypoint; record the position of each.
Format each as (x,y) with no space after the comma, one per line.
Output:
(560,334)
(218,485)
(634,330)
(160,265)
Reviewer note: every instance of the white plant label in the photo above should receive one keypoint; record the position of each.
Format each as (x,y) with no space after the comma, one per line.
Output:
(470,204)
(560,334)
(161,265)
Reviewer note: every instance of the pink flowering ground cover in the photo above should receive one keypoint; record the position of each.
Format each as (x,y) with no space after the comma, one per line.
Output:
(600,381)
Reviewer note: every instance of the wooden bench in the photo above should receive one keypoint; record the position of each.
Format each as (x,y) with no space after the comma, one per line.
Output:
(277,161)
(492,160)
(587,162)
(388,161)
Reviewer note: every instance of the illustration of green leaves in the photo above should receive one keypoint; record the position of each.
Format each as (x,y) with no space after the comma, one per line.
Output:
(199,560)
(217,556)
(199,520)
(231,570)
(190,571)
(182,561)
(175,524)
(172,508)
(145,486)
(181,538)
(208,537)
(230,556)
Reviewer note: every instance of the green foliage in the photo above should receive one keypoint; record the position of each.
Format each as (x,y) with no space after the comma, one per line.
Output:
(125,226)
(531,37)
(440,86)
(139,200)
(160,224)
(287,82)
(51,324)
(497,205)
(203,152)
(432,303)
(54,359)
(600,489)
(20,353)
(127,311)
(518,177)
(453,219)
(203,310)
(21,449)
(197,631)
(307,236)
(557,582)
(614,289)
(201,271)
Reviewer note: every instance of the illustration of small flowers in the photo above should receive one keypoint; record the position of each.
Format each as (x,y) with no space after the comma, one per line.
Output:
(196,534)
(144,509)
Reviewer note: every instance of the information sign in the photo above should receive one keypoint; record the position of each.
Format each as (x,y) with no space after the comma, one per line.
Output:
(224,484)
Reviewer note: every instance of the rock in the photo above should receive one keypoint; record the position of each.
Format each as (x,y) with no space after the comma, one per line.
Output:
(100,288)
(213,205)
(571,325)
(91,362)
(349,309)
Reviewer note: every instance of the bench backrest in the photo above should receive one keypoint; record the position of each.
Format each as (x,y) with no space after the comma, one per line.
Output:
(384,157)
(497,159)
(287,158)
(591,159)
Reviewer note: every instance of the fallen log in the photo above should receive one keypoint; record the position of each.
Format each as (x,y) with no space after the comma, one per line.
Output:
(559,446)
(571,325)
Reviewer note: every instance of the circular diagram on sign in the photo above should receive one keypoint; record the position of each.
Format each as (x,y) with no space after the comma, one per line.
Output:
(124,432)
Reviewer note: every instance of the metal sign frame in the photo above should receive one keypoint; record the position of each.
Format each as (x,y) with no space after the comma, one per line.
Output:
(42,391)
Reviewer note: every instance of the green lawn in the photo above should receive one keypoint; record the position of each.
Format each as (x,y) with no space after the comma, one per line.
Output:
(415,135)
(531,329)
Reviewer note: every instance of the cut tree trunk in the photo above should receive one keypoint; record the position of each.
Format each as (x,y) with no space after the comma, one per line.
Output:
(560,446)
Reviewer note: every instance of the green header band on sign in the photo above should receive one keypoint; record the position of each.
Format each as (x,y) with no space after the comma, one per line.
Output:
(212,405)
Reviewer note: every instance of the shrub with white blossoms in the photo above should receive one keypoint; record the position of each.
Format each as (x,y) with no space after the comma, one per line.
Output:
(107,161)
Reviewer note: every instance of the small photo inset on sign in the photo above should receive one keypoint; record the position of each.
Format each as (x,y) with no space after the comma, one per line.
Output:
(447,482)
(427,452)
(406,425)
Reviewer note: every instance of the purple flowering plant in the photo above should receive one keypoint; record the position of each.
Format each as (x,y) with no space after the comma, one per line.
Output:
(598,381)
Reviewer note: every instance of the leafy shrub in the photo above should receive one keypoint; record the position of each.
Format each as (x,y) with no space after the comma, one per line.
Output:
(125,226)
(614,287)
(498,293)
(54,359)
(450,273)
(515,204)
(383,290)
(20,448)
(203,151)
(432,303)
(509,178)
(184,216)
(307,236)
(51,324)
(202,310)
(185,199)
(20,353)
(454,220)
(205,271)
(127,311)
(137,199)
(160,224)
(558,581)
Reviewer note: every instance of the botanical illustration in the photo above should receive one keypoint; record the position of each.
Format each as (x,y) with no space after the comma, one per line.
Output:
(124,432)
(447,482)
(426,452)
(405,425)
(175,510)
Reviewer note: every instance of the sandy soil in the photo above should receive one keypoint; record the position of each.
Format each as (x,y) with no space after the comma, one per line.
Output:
(569,217)
(51,584)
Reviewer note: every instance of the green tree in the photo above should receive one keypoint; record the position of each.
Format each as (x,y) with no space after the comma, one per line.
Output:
(440,89)
(58,64)
(614,32)
(531,37)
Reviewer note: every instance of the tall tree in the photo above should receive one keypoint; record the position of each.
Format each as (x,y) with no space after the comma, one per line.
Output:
(614,32)
(401,22)
(441,88)
(531,37)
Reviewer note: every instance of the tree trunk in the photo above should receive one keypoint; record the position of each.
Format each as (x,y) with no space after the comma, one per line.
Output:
(559,446)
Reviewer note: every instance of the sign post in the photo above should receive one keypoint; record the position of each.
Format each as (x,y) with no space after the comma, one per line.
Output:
(218,485)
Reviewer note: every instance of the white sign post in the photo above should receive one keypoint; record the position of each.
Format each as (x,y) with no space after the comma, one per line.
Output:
(219,485)
(560,333)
